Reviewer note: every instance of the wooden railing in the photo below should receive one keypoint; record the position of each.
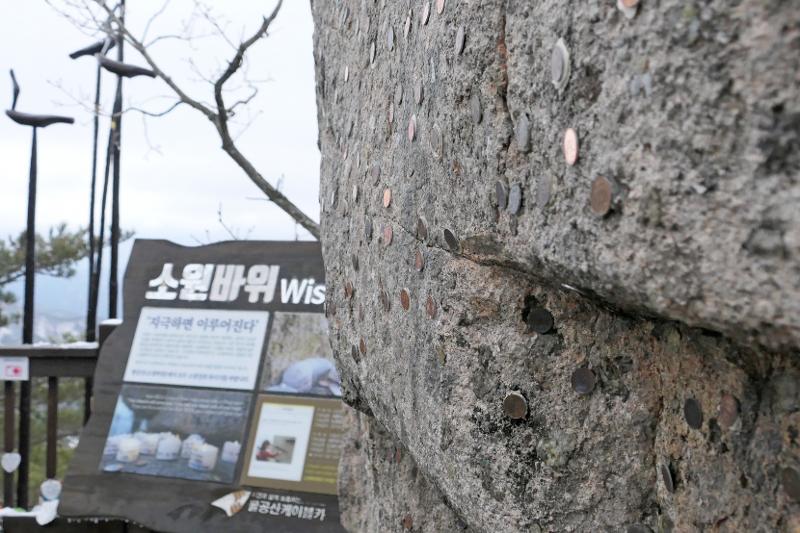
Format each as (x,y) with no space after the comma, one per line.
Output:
(52,362)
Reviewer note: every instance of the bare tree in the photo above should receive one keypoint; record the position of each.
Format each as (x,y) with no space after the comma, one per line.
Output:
(99,17)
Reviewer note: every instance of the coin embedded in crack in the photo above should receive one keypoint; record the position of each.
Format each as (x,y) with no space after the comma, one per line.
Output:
(501,193)
(387,197)
(405,299)
(539,320)
(368,229)
(422,229)
(570,146)
(387,235)
(515,406)
(583,381)
(362,346)
(430,307)
(602,196)
(460,38)
(693,413)
(666,477)
(514,198)
(451,240)
(419,261)
(728,410)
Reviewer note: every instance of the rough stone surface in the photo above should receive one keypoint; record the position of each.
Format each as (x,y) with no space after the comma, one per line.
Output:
(692,107)
(381,488)
(691,110)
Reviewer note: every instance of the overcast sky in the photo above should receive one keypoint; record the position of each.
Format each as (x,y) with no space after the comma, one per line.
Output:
(174,194)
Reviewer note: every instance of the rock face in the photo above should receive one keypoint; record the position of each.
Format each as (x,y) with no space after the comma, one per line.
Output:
(561,243)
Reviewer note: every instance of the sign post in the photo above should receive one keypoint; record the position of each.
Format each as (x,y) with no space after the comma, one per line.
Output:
(218,388)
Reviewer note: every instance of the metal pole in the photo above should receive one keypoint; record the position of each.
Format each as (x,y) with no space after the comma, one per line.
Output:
(91,311)
(27,334)
(114,266)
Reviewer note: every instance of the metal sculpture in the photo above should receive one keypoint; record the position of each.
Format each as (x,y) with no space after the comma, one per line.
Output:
(100,47)
(35,121)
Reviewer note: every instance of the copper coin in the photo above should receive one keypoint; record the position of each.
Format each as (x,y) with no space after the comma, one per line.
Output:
(387,197)
(539,320)
(430,307)
(348,289)
(408,522)
(412,128)
(475,108)
(383,297)
(439,6)
(422,229)
(602,196)
(426,12)
(583,381)
(790,479)
(419,261)
(451,240)
(501,193)
(405,299)
(460,37)
(362,346)
(515,406)
(514,198)
(693,413)
(368,229)
(666,477)
(728,410)
(630,3)
(419,92)
(570,146)
(387,235)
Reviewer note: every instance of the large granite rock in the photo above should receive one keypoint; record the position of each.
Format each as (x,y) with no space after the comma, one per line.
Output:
(444,139)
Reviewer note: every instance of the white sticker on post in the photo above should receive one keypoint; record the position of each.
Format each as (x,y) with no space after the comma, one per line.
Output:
(14,369)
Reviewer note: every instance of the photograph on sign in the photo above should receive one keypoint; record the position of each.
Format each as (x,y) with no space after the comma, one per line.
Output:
(197,347)
(177,433)
(299,356)
(281,441)
(295,444)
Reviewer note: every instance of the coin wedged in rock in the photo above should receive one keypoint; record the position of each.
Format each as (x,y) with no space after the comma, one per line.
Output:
(728,410)
(666,477)
(539,320)
(362,346)
(601,198)
(501,194)
(451,240)
(514,198)
(422,229)
(515,406)
(570,146)
(405,299)
(430,307)
(460,38)
(387,235)
(419,261)
(560,65)
(693,413)
(583,381)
